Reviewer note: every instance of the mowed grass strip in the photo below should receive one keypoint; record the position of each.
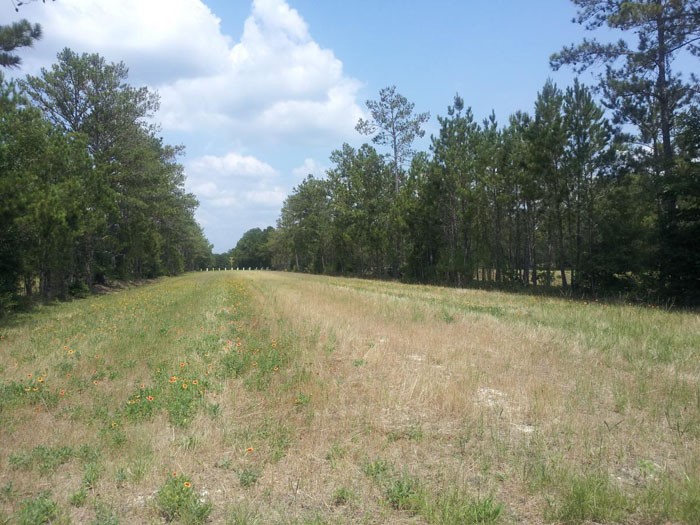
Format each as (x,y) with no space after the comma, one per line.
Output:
(138,406)
(260,397)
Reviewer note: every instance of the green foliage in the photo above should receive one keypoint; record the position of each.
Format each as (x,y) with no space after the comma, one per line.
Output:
(18,34)
(38,510)
(342,496)
(44,459)
(248,476)
(405,492)
(177,500)
(395,126)
(252,250)
(453,508)
(377,469)
(590,497)
(88,191)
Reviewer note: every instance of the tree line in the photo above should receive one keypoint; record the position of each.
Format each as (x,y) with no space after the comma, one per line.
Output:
(89,191)
(596,189)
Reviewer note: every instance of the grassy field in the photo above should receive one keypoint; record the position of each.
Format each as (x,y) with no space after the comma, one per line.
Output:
(261,397)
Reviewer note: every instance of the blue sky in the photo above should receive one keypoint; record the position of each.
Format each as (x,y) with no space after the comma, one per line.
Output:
(261,92)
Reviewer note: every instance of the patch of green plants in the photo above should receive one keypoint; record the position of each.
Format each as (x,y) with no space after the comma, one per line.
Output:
(377,469)
(43,458)
(589,498)
(143,404)
(248,476)
(91,474)
(177,500)
(453,507)
(38,510)
(342,496)
(335,453)
(78,498)
(302,399)
(405,492)
(243,514)
(31,392)
(105,515)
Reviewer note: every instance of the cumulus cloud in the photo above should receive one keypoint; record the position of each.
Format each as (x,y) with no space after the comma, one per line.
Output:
(309,167)
(276,83)
(236,192)
(272,92)
(233,180)
(159,40)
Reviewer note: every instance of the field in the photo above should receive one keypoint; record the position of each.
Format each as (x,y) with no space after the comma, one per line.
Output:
(262,397)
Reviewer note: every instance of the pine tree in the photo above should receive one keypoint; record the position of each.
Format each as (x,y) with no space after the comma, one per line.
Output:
(14,36)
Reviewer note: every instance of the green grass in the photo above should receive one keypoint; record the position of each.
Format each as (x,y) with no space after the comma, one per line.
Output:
(273,398)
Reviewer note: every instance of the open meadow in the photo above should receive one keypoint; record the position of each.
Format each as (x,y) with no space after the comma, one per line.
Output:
(263,397)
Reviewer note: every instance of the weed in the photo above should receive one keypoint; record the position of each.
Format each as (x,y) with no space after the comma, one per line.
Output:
(454,508)
(44,458)
(248,477)
(412,433)
(342,496)
(104,515)
(38,510)
(590,497)
(7,491)
(177,499)
(242,514)
(335,453)
(302,399)
(377,469)
(224,463)
(91,474)
(405,492)
(77,499)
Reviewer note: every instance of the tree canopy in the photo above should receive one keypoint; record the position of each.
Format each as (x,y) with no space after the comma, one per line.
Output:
(90,193)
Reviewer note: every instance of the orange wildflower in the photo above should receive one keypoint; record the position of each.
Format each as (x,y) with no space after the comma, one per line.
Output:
(249,449)
(187,484)
(184,386)
(150,398)
(173,379)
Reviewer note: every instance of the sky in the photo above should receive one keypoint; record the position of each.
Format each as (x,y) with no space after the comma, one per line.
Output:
(261,92)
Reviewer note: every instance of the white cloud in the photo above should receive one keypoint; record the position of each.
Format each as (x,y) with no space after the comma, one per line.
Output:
(231,187)
(276,83)
(159,40)
(309,167)
(232,180)
(273,92)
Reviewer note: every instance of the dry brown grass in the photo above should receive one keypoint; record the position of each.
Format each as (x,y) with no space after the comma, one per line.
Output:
(483,389)
(487,394)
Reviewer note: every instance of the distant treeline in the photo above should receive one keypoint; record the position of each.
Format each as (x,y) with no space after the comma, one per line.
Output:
(596,201)
(89,192)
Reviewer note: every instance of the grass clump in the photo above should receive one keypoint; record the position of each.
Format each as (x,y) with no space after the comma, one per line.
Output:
(43,458)
(589,497)
(39,510)
(177,500)
(405,492)
(454,507)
